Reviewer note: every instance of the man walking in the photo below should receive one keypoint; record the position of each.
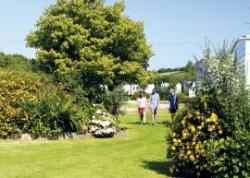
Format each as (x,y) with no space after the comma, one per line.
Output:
(154,102)
(173,103)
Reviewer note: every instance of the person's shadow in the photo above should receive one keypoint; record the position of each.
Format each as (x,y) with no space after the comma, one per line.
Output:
(167,123)
(161,167)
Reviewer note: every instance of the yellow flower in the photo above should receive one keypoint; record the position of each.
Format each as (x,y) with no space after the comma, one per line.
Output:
(173,148)
(189,115)
(192,158)
(208,120)
(198,115)
(185,134)
(213,117)
(181,155)
(211,128)
(174,134)
(216,143)
(221,140)
(183,122)
(192,128)
(220,131)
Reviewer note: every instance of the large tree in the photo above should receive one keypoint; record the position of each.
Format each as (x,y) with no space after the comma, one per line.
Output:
(91,41)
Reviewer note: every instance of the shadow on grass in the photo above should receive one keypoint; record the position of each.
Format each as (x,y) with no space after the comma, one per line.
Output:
(161,167)
(167,124)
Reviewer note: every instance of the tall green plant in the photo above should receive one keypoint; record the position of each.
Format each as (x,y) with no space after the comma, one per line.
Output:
(113,100)
(224,84)
(222,109)
(96,43)
(53,113)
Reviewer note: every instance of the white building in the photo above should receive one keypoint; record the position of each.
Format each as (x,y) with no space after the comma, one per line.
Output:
(189,88)
(242,52)
(178,88)
(149,88)
(164,85)
(130,89)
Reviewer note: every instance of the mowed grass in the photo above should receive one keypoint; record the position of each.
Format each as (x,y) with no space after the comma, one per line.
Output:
(141,152)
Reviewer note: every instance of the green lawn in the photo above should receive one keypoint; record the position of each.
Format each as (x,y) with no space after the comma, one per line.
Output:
(132,105)
(129,105)
(140,153)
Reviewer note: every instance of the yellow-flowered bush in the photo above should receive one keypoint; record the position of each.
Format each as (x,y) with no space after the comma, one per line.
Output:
(192,133)
(214,128)
(31,105)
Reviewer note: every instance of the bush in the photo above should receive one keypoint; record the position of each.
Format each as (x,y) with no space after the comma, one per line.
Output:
(192,131)
(16,62)
(31,105)
(113,100)
(183,98)
(231,159)
(53,114)
(223,103)
(164,92)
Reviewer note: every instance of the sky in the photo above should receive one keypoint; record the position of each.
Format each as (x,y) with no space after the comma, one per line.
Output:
(176,29)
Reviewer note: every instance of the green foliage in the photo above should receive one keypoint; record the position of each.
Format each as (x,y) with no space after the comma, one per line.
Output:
(225,87)
(231,159)
(183,98)
(190,68)
(164,92)
(114,100)
(52,114)
(193,129)
(224,84)
(92,42)
(226,146)
(177,75)
(31,105)
(174,78)
(164,70)
(15,62)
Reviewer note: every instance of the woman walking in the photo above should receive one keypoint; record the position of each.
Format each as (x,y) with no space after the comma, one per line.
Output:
(142,106)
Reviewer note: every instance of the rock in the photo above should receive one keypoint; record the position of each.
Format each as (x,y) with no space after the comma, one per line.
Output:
(105,124)
(108,132)
(26,136)
(74,135)
(101,123)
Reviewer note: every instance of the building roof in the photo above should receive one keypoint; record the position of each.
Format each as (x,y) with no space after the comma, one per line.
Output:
(244,37)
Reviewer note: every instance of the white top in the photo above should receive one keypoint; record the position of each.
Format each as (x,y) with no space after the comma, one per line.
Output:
(154,100)
(142,102)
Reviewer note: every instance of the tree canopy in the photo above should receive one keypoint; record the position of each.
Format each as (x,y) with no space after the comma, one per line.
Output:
(95,42)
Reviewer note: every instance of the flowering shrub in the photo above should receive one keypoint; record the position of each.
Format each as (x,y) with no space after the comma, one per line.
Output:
(30,105)
(102,124)
(211,137)
(14,86)
(192,132)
